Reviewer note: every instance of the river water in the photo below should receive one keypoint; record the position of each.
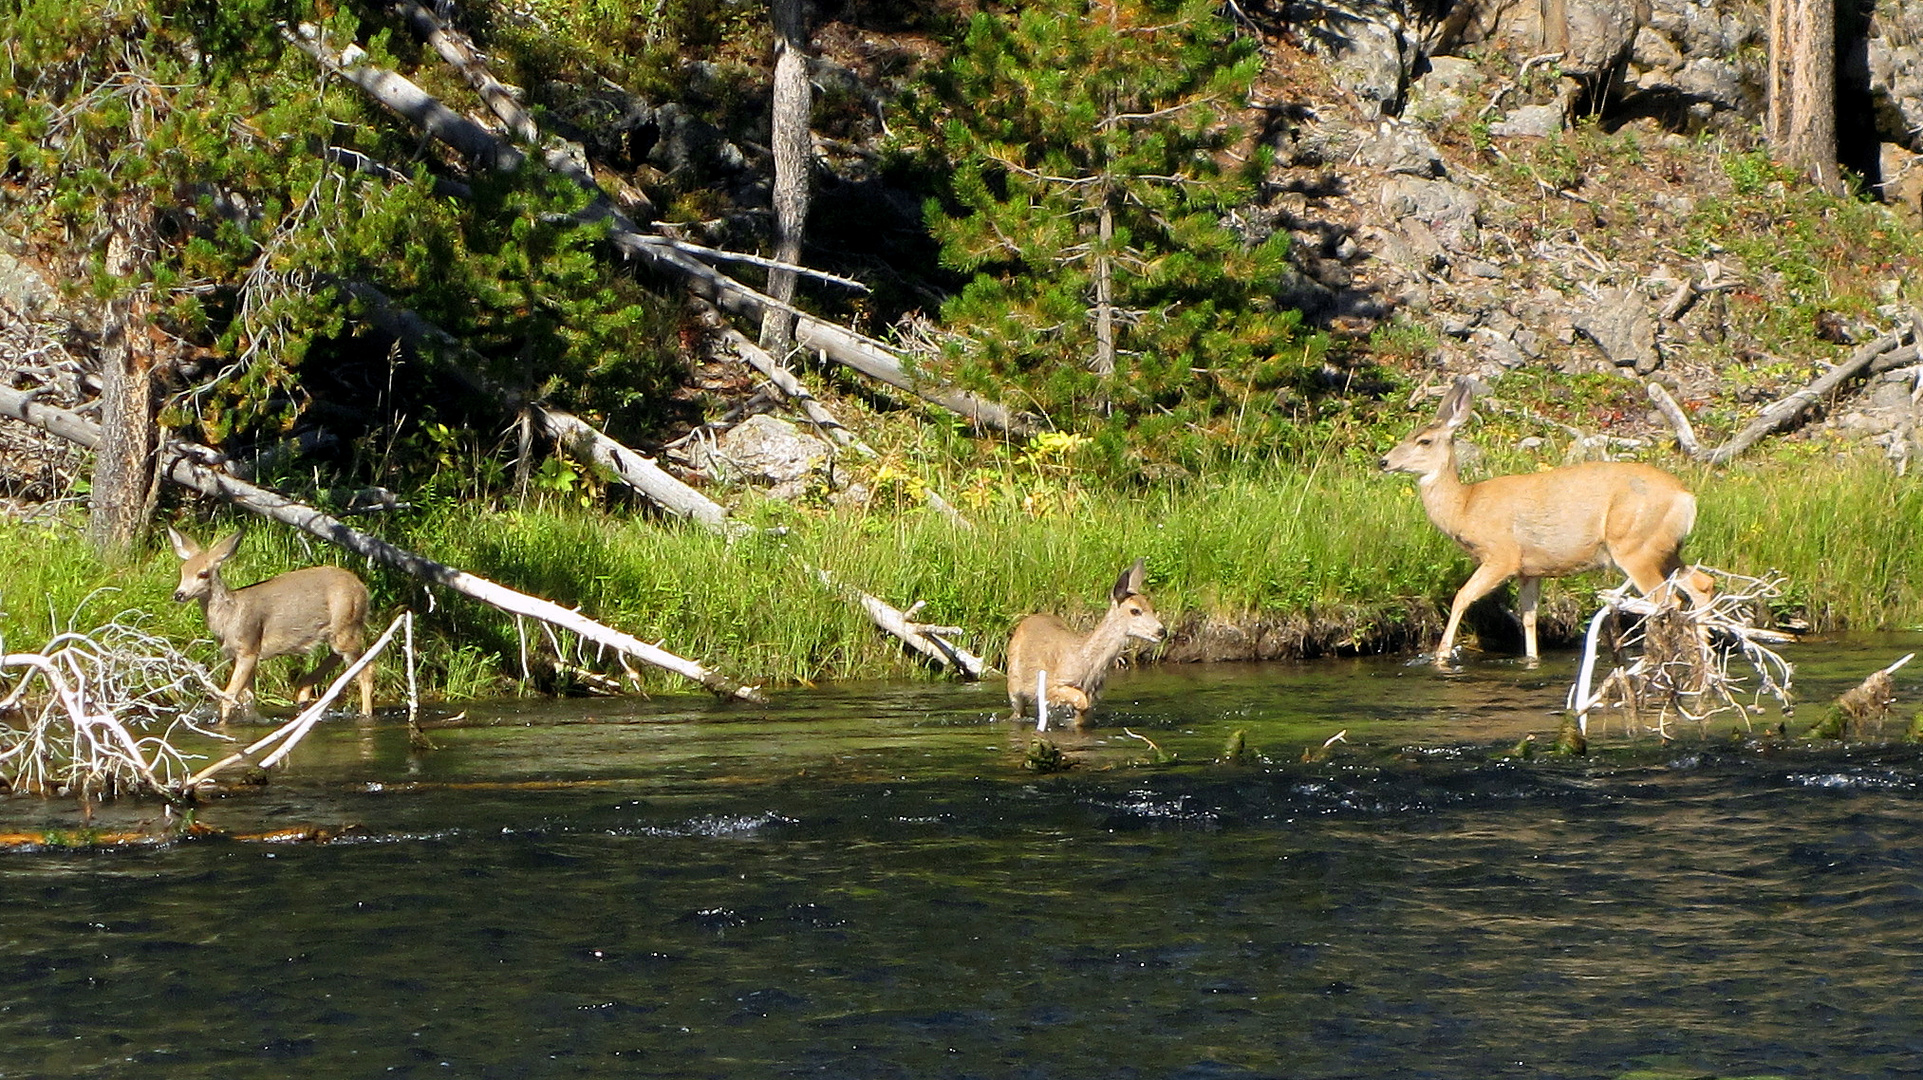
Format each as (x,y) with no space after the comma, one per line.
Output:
(865,881)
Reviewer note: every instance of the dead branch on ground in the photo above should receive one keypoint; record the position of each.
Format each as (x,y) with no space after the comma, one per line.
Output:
(97,713)
(1883,354)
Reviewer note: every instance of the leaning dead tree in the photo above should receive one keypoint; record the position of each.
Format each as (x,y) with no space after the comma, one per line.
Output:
(1674,662)
(194,467)
(681,262)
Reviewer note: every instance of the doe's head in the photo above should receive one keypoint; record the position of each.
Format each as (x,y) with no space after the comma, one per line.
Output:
(1431,447)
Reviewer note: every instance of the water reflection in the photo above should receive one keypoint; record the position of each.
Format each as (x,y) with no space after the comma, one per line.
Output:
(863,881)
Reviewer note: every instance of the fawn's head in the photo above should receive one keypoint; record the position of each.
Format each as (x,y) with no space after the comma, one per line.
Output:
(1128,603)
(199,566)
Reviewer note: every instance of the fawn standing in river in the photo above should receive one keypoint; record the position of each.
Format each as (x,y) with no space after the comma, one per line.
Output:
(282,616)
(1077,665)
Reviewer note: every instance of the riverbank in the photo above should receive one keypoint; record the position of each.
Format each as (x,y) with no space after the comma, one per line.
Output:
(1257,566)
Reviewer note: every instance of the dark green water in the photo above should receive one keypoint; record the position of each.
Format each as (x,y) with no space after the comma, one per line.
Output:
(862,881)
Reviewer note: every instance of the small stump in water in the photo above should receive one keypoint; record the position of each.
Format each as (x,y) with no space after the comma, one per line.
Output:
(1866,703)
(1045,757)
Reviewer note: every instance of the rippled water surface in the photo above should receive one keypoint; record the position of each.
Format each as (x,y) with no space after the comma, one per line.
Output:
(864,881)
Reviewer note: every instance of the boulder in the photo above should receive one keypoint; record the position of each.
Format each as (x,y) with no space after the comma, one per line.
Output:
(1621,325)
(1445,212)
(767,452)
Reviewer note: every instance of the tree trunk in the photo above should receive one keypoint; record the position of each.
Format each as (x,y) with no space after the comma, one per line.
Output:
(124,486)
(1103,364)
(792,150)
(1801,120)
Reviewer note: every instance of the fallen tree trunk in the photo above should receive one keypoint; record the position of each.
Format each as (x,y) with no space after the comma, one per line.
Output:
(845,347)
(177,465)
(783,380)
(1883,354)
(456,48)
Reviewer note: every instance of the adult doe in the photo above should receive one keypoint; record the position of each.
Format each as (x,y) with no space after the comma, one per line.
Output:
(1547,524)
(1077,665)
(283,616)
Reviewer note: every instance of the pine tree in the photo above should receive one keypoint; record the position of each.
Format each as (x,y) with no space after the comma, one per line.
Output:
(1094,185)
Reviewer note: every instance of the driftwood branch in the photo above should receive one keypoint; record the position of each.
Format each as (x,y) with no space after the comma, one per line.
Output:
(855,351)
(1883,354)
(925,638)
(180,466)
(290,734)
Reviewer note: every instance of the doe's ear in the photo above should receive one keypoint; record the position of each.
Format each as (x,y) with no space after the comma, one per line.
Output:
(183,547)
(1130,582)
(1454,410)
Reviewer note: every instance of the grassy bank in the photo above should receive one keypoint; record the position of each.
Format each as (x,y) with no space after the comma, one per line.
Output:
(1268,565)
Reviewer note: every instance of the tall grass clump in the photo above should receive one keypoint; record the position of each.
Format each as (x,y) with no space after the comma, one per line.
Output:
(1843,530)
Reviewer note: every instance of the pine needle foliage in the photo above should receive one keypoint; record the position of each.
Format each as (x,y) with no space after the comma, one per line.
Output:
(1097,188)
(200,123)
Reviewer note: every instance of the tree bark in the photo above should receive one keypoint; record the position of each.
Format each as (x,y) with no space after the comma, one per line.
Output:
(123,495)
(792,150)
(1103,365)
(1801,116)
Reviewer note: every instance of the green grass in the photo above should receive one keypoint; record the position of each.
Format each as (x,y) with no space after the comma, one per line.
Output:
(1338,546)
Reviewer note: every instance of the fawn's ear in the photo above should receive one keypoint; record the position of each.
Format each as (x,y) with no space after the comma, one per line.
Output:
(225,547)
(1129,583)
(183,547)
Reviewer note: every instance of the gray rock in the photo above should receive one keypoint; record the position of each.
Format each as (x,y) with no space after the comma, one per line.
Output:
(1444,92)
(1598,36)
(765,451)
(1621,325)
(1501,350)
(1653,50)
(1401,148)
(690,146)
(1530,122)
(1372,59)
(1448,211)
(1715,81)
(22,289)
